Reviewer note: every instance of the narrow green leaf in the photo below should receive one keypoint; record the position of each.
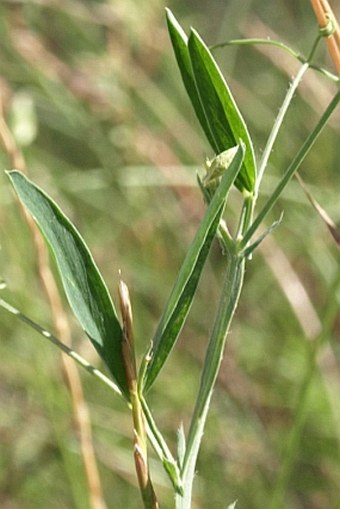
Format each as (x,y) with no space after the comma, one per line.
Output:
(182,294)
(84,286)
(223,117)
(179,42)
(211,98)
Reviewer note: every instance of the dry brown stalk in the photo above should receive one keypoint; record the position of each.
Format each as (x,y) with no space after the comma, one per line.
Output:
(80,408)
(139,430)
(324,15)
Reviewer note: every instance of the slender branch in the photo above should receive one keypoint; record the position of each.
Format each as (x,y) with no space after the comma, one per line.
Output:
(155,437)
(294,165)
(251,203)
(278,123)
(280,45)
(256,41)
(64,348)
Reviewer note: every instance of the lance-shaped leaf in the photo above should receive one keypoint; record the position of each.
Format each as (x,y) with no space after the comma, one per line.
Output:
(84,286)
(179,42)
(222,114)
(211,98)
(182,294)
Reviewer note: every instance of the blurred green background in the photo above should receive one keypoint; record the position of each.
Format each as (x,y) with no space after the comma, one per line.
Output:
(92,94)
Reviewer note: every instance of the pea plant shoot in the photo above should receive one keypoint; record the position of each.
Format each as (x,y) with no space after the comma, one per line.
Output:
(233,163)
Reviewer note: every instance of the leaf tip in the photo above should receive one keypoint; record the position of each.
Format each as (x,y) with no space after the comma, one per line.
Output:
(12,173)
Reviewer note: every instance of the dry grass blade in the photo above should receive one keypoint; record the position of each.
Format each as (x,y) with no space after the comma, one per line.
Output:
(332,227)
(325,16)
(81,412)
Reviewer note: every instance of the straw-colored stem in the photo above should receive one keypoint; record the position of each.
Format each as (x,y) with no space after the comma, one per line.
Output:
(80,408)
(324,15)
(139,428)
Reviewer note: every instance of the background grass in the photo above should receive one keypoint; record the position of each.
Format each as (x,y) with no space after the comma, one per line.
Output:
(92,93)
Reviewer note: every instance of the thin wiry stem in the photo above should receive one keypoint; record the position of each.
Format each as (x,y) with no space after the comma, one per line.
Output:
(64,348)
(293,167)
(278,123)
(280,45)
(255,41)
(156,439)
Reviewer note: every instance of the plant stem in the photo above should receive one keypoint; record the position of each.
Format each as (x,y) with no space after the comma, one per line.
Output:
(161,448)
(293,167)
(276,44)
(255,41)
(155,437)
(66,349)
(277,124)
(250,202)
(246,216)
(229,299)
(139,430)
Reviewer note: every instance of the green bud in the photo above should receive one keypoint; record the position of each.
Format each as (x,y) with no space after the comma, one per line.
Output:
(216,166)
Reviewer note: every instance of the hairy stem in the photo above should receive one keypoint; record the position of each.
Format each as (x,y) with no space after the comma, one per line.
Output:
(229,299)
(278,123)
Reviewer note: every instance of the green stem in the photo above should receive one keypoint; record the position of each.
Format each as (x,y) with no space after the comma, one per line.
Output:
(161,448)
(258,41)
(154,435)
(250,202)
(229,299)
(278,123)
(277,44)
(293,167)
(67,350)
(246,216)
